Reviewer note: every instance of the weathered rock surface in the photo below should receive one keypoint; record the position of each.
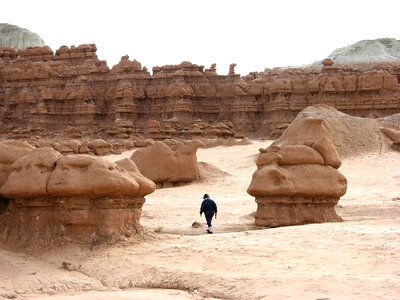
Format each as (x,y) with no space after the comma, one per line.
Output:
(18,38)
(367,51)
(394,135)
(297,181)
(72,93)
(55,199)
(169,162)
(10,151)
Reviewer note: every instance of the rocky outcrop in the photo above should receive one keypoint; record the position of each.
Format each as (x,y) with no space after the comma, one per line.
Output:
(71,93)
(55,199)
(297,181)
(170,162)
(18,38)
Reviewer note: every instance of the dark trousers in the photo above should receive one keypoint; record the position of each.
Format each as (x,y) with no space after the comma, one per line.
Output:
(209,217)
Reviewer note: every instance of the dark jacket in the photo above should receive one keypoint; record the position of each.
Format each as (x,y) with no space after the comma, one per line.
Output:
(208,206)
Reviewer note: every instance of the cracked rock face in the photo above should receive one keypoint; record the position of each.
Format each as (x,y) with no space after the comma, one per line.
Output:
(54,199)
(297,181)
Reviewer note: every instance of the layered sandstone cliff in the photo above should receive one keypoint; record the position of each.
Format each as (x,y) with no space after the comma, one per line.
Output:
(72,93)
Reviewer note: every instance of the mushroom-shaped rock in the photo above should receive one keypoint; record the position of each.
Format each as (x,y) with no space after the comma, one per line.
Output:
(100,147)
(55,199)
(170,161)
(297,181)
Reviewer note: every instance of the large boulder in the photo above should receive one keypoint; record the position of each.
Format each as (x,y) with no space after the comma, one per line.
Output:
(168,162)
(56,199)
(297,181)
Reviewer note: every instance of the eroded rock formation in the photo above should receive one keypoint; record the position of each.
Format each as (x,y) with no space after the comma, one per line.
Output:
(10,151)
(169,162)
(297,181)
(55,199)
(72,93)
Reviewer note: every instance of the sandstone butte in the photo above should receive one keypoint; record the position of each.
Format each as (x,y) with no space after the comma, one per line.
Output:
(71,93)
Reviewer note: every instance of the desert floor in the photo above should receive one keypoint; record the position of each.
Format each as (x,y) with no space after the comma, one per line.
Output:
(356,259)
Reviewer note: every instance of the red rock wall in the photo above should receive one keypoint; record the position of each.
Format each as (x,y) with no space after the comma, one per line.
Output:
(45,93)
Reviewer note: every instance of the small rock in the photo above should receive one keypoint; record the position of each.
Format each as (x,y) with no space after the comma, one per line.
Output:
(196,224)
(70,267)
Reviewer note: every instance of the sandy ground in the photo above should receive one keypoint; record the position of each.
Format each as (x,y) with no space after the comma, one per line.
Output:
(356,259)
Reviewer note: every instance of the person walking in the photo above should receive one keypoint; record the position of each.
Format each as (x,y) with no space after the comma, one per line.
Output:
(209,208)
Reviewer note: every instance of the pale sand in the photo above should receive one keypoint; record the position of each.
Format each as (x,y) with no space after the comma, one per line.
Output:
(356,259)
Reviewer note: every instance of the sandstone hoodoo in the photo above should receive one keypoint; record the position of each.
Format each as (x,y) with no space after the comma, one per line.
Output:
(297,181)
(54,199)
(170,162)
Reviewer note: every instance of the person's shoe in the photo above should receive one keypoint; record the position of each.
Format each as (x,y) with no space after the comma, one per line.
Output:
(209,231)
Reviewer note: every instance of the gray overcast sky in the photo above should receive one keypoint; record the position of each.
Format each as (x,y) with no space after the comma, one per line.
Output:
(255,34)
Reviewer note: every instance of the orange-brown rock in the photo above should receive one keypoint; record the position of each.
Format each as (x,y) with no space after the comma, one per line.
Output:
(10,151)
(146,186)
(55,199)
(297,181)
(69,147)
(73,94)
(100,147)
(168,162)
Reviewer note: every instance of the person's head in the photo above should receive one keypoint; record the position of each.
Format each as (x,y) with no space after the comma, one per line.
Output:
(206,196)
